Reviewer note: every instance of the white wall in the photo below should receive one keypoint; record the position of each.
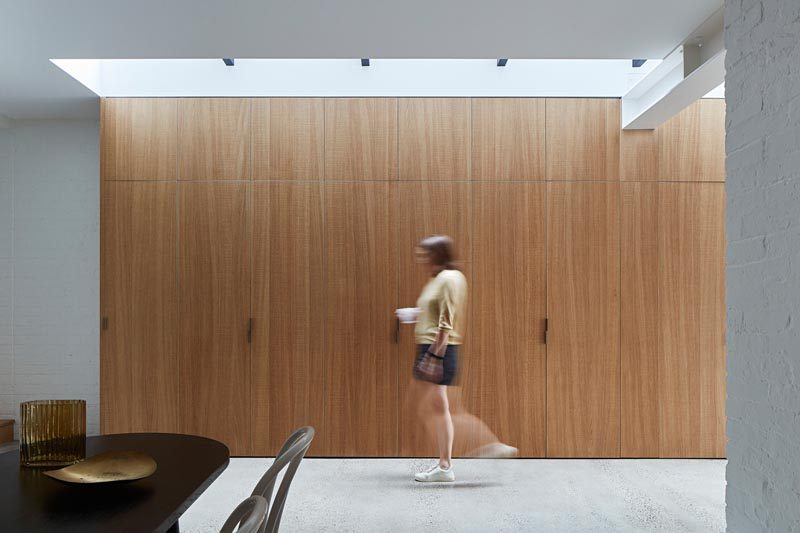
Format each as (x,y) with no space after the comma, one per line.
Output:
(763,187)
(49,264)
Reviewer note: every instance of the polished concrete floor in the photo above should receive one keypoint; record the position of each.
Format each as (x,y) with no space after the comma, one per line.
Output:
(551,495)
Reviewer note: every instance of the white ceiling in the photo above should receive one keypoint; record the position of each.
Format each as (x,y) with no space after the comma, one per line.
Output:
(34,31)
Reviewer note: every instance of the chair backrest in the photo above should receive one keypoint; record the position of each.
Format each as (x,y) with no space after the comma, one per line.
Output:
(250,516)
(289,457)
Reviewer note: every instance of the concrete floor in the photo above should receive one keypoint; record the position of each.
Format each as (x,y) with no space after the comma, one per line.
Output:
(551,495)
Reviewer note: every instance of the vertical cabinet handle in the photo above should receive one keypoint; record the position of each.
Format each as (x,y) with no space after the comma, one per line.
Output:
(397,331)
(104,323)
(546,329)
(249,330)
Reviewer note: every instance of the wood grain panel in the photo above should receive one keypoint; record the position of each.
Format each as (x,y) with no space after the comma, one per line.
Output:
(214,138)
(288,138)
(509,304)
(434,138)
(641,340)
(638,155)
(361,139)
(508,138)
(287,360)
(139,138)
(428,208)
(692,313)
(138,363)
(583,312)
(691,145)
(582,138)
(361,390)
(214,355)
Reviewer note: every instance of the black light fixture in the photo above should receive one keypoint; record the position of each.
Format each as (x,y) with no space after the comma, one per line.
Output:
(228,61)
(638,62)
(502,62)
(364,61)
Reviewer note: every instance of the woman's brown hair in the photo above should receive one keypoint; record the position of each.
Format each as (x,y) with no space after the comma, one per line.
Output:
(440,250)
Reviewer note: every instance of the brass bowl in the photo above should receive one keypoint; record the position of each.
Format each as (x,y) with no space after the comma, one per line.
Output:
(107,467)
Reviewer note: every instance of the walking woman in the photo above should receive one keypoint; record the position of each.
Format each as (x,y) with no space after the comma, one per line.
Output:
(439,315)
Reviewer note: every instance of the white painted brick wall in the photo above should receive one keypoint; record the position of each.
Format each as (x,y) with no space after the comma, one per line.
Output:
(763,187)
(49,264)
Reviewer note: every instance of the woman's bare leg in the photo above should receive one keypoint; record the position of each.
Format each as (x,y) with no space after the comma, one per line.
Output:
(435,414)
(474,435)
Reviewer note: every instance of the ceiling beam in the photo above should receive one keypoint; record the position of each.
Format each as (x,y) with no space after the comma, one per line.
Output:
(692,70)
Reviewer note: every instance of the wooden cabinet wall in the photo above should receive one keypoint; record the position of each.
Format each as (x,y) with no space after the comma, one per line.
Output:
(688,147)
(214,310)
(361,389)
(139,340)
(286,370)
(673,317)
(583,319)
(507,357)
(254,250)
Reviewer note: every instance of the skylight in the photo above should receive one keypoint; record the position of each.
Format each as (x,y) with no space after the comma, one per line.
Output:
(346,77)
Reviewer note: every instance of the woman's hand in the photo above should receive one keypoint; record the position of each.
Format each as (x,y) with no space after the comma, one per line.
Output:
(439,346)
(408,315)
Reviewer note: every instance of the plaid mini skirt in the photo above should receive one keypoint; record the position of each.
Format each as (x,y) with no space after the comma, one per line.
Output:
(450,362)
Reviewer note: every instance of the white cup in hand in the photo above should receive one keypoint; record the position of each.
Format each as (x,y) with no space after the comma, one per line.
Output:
(408,315)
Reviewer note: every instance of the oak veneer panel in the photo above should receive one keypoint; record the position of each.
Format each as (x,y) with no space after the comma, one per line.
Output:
(507,349)
(428,208)
(288,138)
(361,389)
(214,138)
(638,155)
(361,139)
(287,357)
(692,314)
(691,145)
(641,340)
(214,355)
(138,364)
(434,138)
(508,138)
(582,138)
(583,312)
(139,138)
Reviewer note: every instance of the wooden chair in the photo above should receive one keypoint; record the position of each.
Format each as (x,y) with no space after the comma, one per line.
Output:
(249,516)
(289,457)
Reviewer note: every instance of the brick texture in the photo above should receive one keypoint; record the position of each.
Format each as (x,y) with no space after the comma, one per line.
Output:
(49,257)
(763,194)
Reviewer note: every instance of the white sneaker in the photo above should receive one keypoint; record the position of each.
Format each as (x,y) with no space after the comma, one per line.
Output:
(436,474)
(496,450)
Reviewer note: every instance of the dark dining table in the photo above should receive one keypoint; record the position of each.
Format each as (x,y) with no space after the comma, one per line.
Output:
(186,466)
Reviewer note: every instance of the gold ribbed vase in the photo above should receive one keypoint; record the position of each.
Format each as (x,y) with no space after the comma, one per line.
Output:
(52,432)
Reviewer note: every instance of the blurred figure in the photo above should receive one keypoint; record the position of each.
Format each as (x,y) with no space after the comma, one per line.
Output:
(439,317)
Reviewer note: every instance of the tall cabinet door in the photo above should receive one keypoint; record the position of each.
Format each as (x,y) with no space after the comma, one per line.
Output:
(640,328)
(507,350)
(214,353)
(138,365)
(673,320)
(691,220)
(361,390)
(427,208)
(583,314)
(287,359)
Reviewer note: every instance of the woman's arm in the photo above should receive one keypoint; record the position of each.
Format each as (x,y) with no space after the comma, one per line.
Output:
(447,311)
(439,345)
